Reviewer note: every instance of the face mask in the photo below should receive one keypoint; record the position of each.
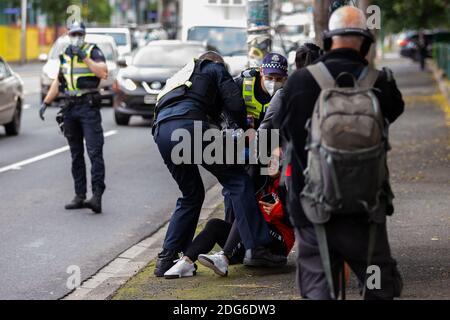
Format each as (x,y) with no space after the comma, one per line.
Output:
(76,41)
(272,86)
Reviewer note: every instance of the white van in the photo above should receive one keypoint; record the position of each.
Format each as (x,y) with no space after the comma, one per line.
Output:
(121,36)
(222,25)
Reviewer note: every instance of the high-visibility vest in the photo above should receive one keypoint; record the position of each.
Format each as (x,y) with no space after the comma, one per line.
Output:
(254,107)
(73,68)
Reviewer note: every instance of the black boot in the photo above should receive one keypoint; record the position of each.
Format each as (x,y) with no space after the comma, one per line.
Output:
(262,257)
(76,203)
(95,203)
(165,261)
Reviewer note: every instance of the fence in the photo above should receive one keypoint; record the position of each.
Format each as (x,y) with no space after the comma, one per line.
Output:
(441,55)
(39,40)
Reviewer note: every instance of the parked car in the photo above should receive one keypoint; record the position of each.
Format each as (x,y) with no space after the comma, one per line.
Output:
(122,37)
(409,47)
(11,99)
(138,85)
(109,49)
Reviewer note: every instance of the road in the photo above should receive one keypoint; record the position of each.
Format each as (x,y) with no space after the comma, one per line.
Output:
(39,240)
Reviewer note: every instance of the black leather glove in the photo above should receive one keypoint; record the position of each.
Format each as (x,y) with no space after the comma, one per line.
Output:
(42,110)
(79,52)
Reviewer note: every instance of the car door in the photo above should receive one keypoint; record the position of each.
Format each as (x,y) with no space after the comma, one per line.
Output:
(7,102)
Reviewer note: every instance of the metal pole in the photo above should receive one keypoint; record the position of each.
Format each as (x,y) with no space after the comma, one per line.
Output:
(258,31)
(23,33)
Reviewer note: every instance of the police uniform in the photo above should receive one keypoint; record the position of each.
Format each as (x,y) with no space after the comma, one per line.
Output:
(82,118)
(209,91)
(256,99)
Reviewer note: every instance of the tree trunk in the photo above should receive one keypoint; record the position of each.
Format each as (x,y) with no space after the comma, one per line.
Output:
(321,11)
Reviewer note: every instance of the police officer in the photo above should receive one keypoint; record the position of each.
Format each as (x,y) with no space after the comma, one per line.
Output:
(258,85)
(200,92)
(82,66)
(346,45)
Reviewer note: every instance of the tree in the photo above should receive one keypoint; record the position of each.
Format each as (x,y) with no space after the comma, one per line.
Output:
(92,10)
(400,15)
(321,15)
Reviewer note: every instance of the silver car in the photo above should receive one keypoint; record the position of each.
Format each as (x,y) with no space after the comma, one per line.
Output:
(106,44)
(11,99)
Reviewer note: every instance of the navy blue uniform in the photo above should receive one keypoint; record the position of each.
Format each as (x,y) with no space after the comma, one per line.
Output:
(216,93)
(82,121)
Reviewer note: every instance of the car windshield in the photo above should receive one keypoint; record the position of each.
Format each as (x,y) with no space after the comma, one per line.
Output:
(105,47)
(166,55)
(119,38)
(226,40)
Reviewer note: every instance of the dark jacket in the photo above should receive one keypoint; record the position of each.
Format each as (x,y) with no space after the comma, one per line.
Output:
(272,111)
(300,94)
(227,99)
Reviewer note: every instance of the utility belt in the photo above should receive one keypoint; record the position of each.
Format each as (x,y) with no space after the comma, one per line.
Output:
(91,98)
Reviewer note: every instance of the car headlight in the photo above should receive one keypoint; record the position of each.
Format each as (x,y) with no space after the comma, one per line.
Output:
(130,85)
(127,83)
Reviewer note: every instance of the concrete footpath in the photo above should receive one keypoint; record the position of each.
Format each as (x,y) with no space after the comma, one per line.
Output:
(419,231)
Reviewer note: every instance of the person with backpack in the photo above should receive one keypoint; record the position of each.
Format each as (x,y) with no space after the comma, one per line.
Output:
(335,115)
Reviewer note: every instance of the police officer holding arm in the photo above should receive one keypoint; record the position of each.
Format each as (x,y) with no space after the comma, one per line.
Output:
(201,91)
(82,66)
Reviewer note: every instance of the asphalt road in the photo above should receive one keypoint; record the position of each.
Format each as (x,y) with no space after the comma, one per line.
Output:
(39,240)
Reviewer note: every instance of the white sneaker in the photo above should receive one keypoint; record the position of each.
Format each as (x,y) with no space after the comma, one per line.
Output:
(181,269)
(217,262)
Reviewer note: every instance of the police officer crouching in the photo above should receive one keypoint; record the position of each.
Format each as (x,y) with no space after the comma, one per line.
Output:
(82,66)
(198,93)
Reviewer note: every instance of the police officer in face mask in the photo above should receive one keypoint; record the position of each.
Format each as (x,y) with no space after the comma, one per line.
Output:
(82,66)
(258,86)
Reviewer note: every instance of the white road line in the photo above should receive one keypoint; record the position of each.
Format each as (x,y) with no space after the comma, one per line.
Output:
(19,165)
(26,106)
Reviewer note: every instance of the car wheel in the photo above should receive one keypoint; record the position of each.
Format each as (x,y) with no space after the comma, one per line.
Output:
(13,128)
(121,119)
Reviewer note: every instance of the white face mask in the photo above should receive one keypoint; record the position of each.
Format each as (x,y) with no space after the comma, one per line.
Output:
(76,41)
(272,86)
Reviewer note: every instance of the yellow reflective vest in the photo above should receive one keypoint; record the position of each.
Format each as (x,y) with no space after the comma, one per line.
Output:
(73,69)
(254,107)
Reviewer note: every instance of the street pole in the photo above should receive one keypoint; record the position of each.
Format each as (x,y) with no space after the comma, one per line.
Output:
(258,31)
(23,33)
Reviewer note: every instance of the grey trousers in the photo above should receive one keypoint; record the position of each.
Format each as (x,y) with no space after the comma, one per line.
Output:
(347,241)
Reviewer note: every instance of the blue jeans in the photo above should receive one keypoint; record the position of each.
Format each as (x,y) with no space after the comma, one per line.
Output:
(85,122)
(237,184)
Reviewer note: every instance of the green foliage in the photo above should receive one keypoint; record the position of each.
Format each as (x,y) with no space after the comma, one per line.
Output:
(91,10)
(401,15)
